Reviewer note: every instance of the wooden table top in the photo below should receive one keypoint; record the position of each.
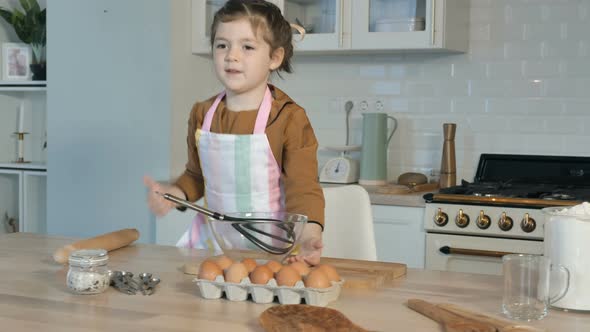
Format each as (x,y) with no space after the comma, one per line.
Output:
(34,297)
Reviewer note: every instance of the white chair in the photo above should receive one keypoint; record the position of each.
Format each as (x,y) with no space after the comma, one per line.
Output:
(348,231)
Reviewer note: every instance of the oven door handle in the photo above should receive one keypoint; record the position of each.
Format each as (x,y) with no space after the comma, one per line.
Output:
(472,252)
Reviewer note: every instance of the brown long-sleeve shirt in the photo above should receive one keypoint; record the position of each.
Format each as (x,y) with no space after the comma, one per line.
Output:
(292,141)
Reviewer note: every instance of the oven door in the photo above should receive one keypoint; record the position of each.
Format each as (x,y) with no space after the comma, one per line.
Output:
(476,254)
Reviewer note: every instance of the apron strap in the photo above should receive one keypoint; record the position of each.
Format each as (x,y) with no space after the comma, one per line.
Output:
(209,116)
(261,117)
(263,113)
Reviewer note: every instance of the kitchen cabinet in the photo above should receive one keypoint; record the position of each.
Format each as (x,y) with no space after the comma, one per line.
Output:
(359,26)
(399,233)
(22,185)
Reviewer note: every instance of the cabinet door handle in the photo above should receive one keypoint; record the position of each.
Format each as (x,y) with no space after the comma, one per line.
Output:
(341,19)
(472,252)
(432,16)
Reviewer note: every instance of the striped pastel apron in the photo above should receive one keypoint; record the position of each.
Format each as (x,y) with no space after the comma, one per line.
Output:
(241,174)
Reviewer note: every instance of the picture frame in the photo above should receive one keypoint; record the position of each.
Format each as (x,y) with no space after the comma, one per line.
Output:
(16,61)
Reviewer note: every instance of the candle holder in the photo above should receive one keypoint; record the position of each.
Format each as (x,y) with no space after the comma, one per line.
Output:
(21,148)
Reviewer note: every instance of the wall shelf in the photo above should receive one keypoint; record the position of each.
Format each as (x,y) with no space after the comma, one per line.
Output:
(23,85)
(33,166)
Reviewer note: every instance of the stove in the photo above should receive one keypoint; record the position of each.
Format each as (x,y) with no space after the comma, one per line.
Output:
(469,227)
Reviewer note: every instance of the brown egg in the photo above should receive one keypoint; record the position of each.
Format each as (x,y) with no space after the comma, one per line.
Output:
(261,275)
(209,270)
(287,276)
(301,267)
(250,264)
(317,279)
(330,272)
(274,266)
(223,261)
(236,272)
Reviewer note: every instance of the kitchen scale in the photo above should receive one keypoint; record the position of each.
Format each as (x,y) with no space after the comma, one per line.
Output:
(342,169)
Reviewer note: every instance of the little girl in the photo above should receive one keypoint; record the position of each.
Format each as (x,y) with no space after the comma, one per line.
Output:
(250,148)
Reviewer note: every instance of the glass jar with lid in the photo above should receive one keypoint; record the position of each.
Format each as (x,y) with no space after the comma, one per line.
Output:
(88,272)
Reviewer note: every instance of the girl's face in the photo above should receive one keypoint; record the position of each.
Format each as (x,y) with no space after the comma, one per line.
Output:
(242,59)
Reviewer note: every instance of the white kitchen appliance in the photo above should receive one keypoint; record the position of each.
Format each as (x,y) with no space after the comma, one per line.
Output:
(341,169)
(567,243)
(469,227)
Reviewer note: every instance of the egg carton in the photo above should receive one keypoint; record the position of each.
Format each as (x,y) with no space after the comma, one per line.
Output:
(266,293)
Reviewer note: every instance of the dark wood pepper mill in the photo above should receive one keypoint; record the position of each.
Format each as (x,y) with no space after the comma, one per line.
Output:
(448,167)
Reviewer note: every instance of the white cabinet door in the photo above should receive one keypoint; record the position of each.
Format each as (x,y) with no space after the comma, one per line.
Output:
(23,198)
(11,203)
(34,202)
(410,25)
(203,12)
(399,233)
(379,24)
(324,23)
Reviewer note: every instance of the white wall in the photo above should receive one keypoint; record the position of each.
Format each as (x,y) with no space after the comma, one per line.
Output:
(521,88)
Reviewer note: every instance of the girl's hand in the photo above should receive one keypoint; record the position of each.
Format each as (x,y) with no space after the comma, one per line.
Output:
(310,251)
(158,204)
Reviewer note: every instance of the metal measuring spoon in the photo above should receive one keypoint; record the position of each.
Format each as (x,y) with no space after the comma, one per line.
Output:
(152,285)
(145,278)
(123,281)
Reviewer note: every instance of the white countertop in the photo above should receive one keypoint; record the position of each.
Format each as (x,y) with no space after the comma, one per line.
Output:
(381,195)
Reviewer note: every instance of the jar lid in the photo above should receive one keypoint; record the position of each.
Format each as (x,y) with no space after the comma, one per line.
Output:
(88,257)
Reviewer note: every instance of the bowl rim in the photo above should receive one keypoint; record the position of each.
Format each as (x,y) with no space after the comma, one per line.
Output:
(300,218)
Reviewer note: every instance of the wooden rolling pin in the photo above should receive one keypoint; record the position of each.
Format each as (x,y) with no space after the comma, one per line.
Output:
(108,242)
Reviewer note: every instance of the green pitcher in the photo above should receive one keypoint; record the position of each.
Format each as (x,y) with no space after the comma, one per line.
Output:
(374,148)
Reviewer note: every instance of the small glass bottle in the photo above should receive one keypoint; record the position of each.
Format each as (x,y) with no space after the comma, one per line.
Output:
(88,272)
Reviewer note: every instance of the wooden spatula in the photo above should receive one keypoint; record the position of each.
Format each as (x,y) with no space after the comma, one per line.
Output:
(499,324)
(452,322)
(456,319)
(301,317)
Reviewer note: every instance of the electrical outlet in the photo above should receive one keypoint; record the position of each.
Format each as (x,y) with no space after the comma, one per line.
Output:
(364,106)
(379,106)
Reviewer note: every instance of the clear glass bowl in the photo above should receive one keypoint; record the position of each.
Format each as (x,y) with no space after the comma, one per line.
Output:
(258,238)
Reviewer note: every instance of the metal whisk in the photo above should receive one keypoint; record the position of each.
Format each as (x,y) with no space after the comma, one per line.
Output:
(248,226)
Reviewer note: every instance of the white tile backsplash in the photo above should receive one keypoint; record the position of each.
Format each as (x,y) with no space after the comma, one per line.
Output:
(523,87)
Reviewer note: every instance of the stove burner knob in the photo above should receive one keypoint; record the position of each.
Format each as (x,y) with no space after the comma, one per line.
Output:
(441,218)
(462,219)
(483,221)
(505,223)
(528,224)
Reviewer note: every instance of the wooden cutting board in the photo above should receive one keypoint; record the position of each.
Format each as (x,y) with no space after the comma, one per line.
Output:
(366,274)
(398,189)
(356,273)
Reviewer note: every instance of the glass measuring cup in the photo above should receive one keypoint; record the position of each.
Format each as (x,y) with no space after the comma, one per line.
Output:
(526,286)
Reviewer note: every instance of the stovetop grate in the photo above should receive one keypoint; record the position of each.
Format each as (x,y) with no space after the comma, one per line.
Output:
(520,190)
(523,180)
